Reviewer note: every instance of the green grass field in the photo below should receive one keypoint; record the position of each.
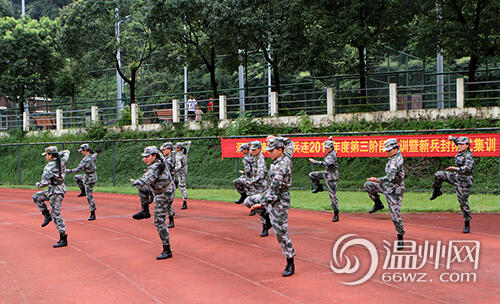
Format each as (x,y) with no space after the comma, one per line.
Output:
(349,201)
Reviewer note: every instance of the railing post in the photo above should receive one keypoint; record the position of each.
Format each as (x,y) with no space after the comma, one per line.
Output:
(133,114)
(460,93)
(26,121)
(59,119)
(330,102)
(274,103)
(222,107)
(393,97)
(175,111)
(94,114)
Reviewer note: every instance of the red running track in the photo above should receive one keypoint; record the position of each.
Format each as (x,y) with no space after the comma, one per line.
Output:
(218,256)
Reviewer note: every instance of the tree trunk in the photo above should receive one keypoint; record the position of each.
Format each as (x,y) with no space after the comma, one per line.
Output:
(362,74)
(131,84)
(211,68)
(276,74)
(472,75)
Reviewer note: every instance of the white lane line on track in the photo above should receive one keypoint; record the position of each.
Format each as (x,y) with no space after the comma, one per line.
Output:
(220,268)
(309,261)
(119,273)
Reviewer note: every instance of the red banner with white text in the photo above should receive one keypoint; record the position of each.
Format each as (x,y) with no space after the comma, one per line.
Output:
(371,146)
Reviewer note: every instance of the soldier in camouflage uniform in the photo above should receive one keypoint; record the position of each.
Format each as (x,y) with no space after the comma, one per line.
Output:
(258,181)
(169,158)
(275,200)
(53,177)
(391,185)
(330,175)
(241,182)
(159,178)
(460,178)
(181,168)
(86,181)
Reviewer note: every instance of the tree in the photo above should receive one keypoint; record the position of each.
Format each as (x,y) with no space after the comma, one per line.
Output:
(88,33)
(463,28)
(193,31)
(5,8)
(45,8)
(28,58)
(276,28)
(337,25)
(70,79)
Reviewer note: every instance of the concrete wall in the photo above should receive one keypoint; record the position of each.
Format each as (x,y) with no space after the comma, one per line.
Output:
(316,120)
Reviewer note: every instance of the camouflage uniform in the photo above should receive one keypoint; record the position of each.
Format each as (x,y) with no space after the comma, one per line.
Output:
(181,167)
(86,181)
(461,179)
(170,162)
(53,178)
(162,184)
(330,175)
(258,182)
(241,183)
(276,198)
(391,185)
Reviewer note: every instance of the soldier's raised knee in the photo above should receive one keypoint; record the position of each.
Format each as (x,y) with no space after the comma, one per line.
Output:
(368,185)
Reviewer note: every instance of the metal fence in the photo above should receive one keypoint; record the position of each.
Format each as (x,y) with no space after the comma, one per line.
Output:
(159,109)
(120,160)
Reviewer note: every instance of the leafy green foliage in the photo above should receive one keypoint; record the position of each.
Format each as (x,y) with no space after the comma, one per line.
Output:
(5,8)
(96,131)
(305,125)
(28,58)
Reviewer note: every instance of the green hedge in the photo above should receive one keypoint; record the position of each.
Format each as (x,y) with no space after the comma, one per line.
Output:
(206,169)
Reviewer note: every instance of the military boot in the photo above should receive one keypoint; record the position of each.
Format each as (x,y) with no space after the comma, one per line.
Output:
(437,192)
(317,188)
(166,254)
(63,240)
(92,216)
(290,267)
(46,217)
(266,226)
(184,205)
(400,242)
(335,216)
(467,227)
(242,198)
(143,214)
(377,206)
(171,221)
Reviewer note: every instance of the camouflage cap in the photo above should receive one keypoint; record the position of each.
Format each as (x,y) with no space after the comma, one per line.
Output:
(463,140)
(390,144)
(244,146)
(275,143)
(150,150)
(167,145)
(178,145)
(84,147)
(50,150)
(328,144)
(255,145)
